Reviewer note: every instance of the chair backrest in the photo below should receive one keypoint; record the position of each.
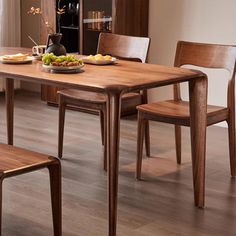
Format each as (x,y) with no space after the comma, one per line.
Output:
(124,47)
(213,56)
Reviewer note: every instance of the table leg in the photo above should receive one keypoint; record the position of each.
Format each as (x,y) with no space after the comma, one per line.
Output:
(198,124)
(113,138)
(9,109)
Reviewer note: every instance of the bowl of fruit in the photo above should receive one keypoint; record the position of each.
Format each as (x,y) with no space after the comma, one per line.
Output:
(99,59)
(68,63)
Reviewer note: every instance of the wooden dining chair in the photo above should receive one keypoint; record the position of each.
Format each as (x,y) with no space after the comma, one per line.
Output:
(176,111)
(16,161)
(122,47)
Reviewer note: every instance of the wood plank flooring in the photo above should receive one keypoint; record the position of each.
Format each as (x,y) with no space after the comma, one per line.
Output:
(160,205)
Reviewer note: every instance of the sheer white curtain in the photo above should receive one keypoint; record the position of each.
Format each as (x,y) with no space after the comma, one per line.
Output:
(10,27)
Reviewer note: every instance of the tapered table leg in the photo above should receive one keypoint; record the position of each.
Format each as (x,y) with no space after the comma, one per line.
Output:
(113,136)
(9,109)
(198,124)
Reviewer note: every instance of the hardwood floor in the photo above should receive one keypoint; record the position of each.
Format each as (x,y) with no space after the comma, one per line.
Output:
(160,205)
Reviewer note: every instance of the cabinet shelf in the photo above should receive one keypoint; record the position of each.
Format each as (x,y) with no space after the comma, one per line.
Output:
(70,27)
(99,31)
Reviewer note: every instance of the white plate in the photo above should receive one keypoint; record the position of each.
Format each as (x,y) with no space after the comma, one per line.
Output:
(27,60)
(99,62)
(66,69)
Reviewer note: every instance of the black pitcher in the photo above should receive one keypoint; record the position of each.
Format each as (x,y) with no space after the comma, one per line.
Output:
(55,47)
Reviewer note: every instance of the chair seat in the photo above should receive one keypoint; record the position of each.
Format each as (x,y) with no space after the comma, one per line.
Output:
(90,97)
(170,111)
(15,160)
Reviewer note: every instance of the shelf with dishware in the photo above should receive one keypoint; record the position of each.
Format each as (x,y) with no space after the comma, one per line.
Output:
(128,17)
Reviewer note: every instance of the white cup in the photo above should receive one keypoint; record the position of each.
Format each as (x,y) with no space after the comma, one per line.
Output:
(39,50)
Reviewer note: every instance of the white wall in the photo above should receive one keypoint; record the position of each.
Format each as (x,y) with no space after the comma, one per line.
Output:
(210,21)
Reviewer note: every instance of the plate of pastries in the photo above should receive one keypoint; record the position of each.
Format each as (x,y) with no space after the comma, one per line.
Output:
(99,59)
(19,58)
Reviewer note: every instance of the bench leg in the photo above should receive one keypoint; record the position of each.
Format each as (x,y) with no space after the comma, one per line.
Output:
(55,183)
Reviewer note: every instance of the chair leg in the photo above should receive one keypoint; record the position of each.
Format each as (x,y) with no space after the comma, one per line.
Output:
(102,117)
(55,184)
(140,137)
(178,143)
(232,151)
(105,140)
(61,124)
(147,138)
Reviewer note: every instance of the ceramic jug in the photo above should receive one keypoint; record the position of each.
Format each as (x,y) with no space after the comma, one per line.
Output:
(55,47)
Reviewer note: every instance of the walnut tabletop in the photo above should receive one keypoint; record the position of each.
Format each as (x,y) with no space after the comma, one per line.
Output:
(114,80)
(125,75)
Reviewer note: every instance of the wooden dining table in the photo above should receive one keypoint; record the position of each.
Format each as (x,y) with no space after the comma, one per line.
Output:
(113,81)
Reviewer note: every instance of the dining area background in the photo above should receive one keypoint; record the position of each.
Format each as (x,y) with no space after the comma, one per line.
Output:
(137,207)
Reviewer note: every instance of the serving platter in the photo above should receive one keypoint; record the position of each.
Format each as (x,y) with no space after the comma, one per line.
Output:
(63,69)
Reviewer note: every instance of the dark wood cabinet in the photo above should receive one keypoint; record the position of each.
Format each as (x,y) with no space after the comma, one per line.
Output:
(85,19)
